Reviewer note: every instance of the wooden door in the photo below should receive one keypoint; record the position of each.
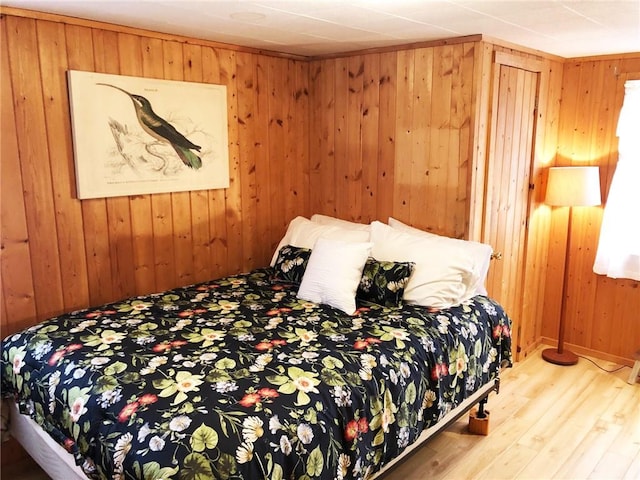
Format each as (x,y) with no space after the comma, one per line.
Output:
(516,90)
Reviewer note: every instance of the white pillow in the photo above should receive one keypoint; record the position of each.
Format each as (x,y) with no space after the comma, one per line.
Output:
(442,269)
(403,227)
(480,254)
(333,273)
(303,233)
(337,222)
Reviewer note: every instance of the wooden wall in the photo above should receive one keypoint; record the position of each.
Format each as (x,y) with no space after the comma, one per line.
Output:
(520,231)
(603,314)
(60,253)
(366,136)
(405,134)
(392,135)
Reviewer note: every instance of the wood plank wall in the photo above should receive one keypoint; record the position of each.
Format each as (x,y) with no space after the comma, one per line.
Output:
(405,134)
(362,137)
(392,135)
(603,313)
(60,253)
(535,286)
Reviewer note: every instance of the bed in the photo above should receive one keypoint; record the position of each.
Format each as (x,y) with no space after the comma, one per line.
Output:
(244,377)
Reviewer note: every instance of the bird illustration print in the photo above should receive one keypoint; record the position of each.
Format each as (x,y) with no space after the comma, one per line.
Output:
(162,130)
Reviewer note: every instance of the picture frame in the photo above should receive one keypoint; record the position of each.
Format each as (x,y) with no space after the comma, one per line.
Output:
(134,135)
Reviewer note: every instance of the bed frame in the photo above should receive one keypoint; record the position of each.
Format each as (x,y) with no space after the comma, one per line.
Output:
(60,465)
(479,397)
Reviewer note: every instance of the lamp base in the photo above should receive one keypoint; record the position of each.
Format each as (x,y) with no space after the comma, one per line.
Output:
(552,355)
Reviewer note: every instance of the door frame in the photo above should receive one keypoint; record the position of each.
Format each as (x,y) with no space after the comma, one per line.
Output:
(530,279)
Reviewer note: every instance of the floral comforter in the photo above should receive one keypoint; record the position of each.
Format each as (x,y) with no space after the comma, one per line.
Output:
(239,379)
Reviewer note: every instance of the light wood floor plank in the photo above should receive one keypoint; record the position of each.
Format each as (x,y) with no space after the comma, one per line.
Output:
(590,451)
(548,422)
(633,473)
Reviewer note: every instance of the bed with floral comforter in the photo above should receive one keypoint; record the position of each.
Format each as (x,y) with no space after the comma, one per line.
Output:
(239,379)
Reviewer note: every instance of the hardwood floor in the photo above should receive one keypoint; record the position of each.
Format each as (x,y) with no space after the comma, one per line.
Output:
(26,469)
(548,421)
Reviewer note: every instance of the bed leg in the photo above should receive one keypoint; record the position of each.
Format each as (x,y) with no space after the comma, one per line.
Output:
(479,419)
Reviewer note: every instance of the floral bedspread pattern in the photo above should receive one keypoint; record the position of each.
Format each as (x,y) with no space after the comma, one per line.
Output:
(238,379)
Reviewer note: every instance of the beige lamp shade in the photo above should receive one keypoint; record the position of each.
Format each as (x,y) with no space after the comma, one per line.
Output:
(573,186)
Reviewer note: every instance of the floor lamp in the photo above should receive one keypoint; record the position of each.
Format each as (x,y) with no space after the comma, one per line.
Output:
(569,187)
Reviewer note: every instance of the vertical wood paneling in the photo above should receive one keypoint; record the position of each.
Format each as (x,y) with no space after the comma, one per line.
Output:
(289,128)
(322,135)
(201,248)
(118,216)
(260,115)
(439,163)
(247,102)
(403,135)
(118,208)
(272,76)
(80,56)
(352,189)
(300,121)
(17,294)
(508,230)
(141,213)
(370,137)
(361,137)
(24,66)
(276,131)
(173,60)
(534,238)
(420,174)
(495,170)
(341,139)
(217,200)
(608,291)
(161,212)
(580,298)
(421,150)
(526,146)
(462,112)
(233,194)
(539,222)
(520,136)
(433,120)
(602,313)
(387,135)
(60,253)
(68,216)
(480,120)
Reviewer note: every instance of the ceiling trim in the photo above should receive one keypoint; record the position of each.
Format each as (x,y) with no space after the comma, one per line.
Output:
(520,48)
(58,18)
(402,46)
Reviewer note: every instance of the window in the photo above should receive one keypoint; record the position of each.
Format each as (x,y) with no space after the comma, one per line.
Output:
(618,254)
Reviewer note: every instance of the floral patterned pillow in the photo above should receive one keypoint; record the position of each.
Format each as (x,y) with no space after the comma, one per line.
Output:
(291,264)
(384,282)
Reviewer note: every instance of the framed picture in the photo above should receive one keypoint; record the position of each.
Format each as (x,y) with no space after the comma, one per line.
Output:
(135,135)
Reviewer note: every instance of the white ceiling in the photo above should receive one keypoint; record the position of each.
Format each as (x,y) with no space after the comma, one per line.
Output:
(568,28)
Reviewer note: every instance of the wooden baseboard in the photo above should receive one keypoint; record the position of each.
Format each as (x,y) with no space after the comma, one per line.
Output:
(577,349)
(525,352)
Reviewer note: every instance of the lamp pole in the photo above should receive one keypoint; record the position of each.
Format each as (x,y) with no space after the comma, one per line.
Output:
(559,356)
(569,187)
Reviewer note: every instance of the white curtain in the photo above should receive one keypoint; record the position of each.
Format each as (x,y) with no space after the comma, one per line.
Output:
(618,254)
